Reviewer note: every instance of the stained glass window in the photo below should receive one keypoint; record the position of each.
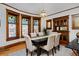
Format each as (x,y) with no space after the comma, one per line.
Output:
(24,26)
(12,25)
(36,26)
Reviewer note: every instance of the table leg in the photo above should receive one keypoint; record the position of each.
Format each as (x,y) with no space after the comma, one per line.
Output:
(58,47)
(38,51)
(75,52)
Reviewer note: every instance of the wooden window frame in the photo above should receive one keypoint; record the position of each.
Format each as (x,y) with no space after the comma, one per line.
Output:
(29,23)
(47,23)
(10,12)
(39,23)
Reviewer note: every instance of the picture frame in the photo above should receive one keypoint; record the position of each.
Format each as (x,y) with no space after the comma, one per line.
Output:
(75,22)
(48,24)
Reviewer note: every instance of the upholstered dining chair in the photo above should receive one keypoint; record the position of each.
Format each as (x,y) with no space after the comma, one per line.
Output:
(30,48)
(50,45)
(57,45)
(40,33)
(33,34)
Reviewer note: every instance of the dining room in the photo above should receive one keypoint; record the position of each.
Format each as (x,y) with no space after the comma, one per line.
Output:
(39,29)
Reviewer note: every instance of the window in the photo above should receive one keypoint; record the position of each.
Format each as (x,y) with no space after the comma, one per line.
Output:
(48,24)
(75,21)
(12,25)
(24,26)
(36,24)
(26,29)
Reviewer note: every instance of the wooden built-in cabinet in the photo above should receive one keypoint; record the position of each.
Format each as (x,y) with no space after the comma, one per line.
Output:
(61,25)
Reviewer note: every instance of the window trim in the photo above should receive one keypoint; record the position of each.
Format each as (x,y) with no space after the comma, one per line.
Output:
(9,12)
(29,23)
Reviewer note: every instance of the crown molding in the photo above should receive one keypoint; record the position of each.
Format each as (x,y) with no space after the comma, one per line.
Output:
(18,9)
(64,10)
(37,14)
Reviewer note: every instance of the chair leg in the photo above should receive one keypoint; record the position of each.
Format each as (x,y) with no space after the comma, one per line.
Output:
(31,53)
(26,51)
(47,53)
(55,49)
(58,47)
(52,52)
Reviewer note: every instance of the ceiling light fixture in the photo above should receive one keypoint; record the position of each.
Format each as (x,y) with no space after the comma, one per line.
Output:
(43,13)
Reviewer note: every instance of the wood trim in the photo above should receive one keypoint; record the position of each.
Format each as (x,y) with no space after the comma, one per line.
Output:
(3,48)
(17,25)
(39,23)
(47,21)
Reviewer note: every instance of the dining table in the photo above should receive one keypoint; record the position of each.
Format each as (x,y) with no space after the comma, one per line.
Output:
(40,41)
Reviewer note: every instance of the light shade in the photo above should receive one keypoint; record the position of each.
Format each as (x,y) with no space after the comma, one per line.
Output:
(43,13)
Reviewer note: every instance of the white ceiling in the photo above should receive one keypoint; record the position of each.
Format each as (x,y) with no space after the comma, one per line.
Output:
(50,8)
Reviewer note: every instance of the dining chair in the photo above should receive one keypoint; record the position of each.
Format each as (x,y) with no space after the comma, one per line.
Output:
(57,44)
(30,48)
(40,33)
(33,34)
(49,46)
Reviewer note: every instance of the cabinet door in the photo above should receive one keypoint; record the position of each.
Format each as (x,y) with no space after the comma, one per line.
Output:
(65,37)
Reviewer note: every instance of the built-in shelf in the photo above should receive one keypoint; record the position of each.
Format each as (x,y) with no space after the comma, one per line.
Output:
(60,25)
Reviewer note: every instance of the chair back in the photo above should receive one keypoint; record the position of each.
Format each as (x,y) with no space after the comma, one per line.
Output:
(33,34)
(57,38)
(28,42)
(50,42)
(40,33)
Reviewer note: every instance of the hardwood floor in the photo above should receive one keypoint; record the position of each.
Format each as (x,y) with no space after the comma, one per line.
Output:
(12,49)
(23,46)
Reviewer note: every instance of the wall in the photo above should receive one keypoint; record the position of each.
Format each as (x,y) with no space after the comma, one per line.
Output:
(3,41)
(72,34)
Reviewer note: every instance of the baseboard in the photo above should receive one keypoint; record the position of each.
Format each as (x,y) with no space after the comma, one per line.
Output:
(11,45)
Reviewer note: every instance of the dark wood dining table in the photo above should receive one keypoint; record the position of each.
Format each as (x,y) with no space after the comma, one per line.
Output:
(38,43)
(74,45)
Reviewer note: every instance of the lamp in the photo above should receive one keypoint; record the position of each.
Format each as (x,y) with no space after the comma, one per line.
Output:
(43,13)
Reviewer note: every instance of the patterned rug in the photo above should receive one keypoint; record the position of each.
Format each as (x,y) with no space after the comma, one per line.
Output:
(62,52)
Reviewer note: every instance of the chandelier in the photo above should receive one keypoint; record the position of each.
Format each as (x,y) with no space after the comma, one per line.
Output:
(43,13)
